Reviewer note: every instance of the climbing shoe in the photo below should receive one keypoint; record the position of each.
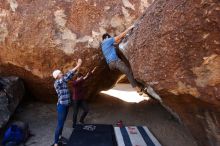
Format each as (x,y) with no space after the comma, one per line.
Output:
(150,91)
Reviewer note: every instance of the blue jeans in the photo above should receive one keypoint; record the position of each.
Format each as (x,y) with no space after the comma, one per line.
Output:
(62,111)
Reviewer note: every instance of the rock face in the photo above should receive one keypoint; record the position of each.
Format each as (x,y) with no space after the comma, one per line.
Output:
(11,93)
(176,48)
(37,37)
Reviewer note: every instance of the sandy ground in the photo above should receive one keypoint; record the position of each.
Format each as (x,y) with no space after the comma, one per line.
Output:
(105,109)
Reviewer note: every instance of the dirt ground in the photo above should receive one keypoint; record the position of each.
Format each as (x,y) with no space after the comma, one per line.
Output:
(105,109)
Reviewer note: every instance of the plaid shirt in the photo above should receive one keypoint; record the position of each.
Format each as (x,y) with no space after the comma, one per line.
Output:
(62,90)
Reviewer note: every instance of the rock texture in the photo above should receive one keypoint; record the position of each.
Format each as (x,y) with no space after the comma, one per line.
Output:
(176,49)
(37,37)
(11,93)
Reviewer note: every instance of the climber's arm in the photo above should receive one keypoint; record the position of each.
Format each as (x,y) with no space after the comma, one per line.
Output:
(89,73)
(122,35)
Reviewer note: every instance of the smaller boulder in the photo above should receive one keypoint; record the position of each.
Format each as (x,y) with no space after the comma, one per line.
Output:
(11,93)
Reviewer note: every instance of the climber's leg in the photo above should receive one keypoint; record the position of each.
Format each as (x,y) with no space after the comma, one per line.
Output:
(121,66)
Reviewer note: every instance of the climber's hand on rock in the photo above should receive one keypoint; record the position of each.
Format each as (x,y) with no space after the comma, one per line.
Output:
(131,27)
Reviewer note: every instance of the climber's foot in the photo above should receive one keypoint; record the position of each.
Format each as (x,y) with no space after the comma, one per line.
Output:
(150,91)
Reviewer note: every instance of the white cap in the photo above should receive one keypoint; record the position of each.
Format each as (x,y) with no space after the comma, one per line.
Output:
(56,73)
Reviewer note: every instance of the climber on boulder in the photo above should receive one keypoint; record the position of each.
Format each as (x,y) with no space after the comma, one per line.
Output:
(112,59)
(63,93)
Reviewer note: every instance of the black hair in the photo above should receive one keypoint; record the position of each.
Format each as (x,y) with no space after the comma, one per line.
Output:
(106,35)
(79,75)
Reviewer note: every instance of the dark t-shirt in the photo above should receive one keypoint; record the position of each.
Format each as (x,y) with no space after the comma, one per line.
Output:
(78,89)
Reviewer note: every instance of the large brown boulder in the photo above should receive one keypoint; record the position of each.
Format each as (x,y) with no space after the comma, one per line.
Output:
(176,48)
(37,37)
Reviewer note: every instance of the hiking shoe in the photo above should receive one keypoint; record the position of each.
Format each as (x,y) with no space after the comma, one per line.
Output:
(81,122)
(63,140)
(74,126)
